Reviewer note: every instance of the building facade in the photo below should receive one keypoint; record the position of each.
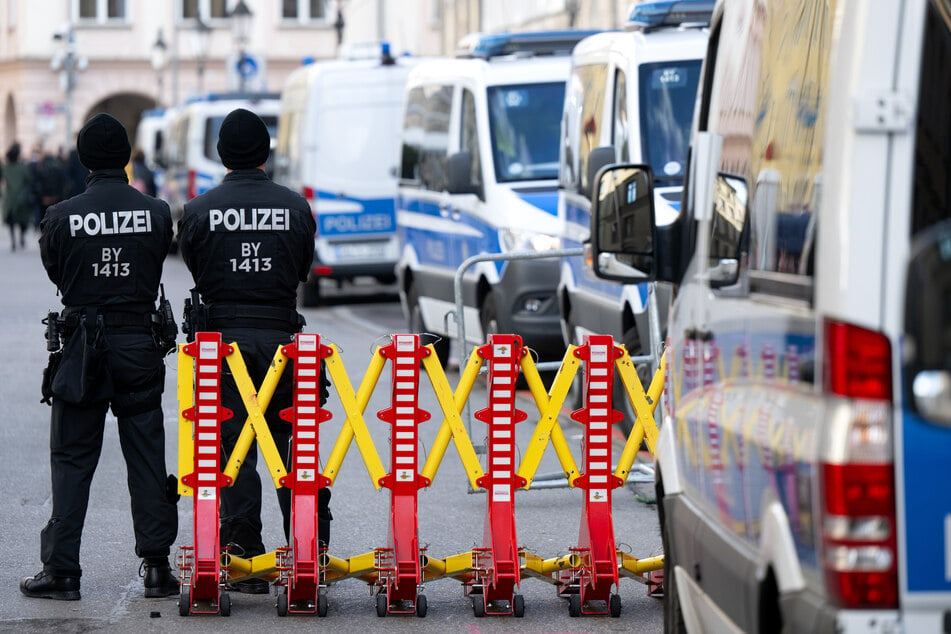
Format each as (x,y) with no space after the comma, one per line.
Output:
(61,61)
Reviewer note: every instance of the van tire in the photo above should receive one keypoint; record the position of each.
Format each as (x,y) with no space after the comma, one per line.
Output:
(416,325)
(489,316)
(308,293)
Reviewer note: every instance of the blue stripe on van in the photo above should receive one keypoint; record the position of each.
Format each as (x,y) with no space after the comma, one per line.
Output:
(546,201)
(378,216)
(926,449)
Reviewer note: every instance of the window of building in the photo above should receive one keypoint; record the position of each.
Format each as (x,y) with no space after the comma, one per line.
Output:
(207,9)
(100,11)
(304,10)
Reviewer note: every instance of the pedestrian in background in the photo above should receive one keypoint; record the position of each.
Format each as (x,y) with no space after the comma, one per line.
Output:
(247,268)
(105,250)
(17,196)
(50,181)
(142,177)
(76,174)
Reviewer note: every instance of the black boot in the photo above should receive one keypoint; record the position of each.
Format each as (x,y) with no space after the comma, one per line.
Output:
(44,585)
(159,580)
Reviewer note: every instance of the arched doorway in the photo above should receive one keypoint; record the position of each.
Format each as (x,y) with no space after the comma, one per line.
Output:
(126,107)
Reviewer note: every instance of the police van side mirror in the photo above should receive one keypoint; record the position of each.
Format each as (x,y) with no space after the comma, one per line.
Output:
(598,159)
(460,175)
(623,229)
(728,229)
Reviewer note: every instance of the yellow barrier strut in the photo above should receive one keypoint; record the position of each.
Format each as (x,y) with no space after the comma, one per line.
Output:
(549,405)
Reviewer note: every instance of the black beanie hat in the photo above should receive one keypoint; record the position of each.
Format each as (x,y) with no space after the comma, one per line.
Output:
(243,140)
(103,143)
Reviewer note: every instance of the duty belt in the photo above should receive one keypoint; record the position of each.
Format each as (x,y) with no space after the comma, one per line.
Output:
(110,318)
(254,316)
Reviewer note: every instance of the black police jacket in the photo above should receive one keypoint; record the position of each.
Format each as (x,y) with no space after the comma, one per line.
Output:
(106,246)
(248,241)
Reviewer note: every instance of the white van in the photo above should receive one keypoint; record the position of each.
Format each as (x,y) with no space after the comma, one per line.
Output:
(194,166)
(337,143)
(802,459)
(150,136)
(630,99)
(478,175)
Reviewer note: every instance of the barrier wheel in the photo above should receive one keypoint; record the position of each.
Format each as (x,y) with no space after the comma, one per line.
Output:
(574,605)
(224,604)
(518,606)
(421,606)
(282,604)
(615,605)
(185,601)
(322,604)
(381,604)
(478,606)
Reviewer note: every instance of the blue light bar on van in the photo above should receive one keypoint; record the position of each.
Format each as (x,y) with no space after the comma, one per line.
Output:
(653,15)
(228,96)
(528,44)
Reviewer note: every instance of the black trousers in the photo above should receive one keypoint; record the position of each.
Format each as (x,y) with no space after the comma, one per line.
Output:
(76,433)
(240,504)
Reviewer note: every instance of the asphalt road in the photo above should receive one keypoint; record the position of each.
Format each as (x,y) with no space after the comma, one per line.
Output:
(450,517)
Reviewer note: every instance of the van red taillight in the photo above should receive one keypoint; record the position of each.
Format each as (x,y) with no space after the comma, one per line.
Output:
(858,362)
(192,189)
(858,535)
(858,521)
(308,193)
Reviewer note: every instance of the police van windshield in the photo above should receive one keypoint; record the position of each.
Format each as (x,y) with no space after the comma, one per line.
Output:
(667,95)
(213,125)
(525,121)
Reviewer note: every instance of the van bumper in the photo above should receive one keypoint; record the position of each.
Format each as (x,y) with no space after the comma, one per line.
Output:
(528,305)
(338,271)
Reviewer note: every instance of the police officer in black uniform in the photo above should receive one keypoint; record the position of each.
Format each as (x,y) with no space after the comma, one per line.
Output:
(104,249)
(248,243)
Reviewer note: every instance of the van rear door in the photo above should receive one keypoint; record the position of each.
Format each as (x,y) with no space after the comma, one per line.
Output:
(923,447)
(926,423)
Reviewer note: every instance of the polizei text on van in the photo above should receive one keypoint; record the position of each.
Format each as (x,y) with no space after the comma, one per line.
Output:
(110,222)
(249,219)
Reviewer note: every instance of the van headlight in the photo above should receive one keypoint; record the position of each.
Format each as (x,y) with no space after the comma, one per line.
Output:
(522,240)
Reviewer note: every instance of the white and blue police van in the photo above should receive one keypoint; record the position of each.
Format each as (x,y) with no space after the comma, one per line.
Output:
(479,175)
(337,141)
(801,467)
(630,99)
(194,166)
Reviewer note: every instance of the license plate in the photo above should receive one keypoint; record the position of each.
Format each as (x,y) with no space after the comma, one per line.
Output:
(359,251)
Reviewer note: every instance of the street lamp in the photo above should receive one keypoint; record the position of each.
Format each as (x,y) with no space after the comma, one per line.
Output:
(240,27)
(68,65)
(203,31)
(159,49)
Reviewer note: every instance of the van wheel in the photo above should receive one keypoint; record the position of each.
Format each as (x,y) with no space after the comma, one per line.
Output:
(308,293)
(489,317)
(621,403)
(575,397)
(417,326)
(673,615)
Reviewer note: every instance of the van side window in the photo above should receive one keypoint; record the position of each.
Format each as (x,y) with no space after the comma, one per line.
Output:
(592,83)
(469,136)
(621,124)
(932,190)
(426,136)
